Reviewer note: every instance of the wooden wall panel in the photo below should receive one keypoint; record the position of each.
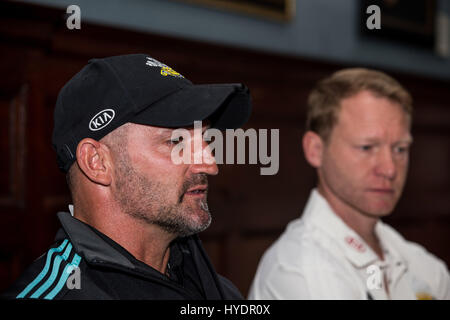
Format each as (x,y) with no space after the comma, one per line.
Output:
(13,142)
(38,55)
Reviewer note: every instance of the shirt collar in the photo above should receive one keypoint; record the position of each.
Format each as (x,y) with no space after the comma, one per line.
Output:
(389,244)
(319,213)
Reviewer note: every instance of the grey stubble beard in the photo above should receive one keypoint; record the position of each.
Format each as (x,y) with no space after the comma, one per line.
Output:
(142,199)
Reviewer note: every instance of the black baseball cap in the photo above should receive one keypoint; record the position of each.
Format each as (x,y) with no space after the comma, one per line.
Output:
(110,92)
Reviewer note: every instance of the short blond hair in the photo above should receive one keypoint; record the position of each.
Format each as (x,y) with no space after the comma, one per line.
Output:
(325,98)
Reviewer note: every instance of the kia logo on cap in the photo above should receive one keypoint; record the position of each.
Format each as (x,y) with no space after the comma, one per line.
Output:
(101,119)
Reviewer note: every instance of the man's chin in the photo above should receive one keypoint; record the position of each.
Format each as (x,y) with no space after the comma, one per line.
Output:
(203,222)
(378,211)
(194,229)
(196,221)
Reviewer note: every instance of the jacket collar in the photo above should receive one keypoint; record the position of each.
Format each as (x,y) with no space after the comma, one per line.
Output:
(90,244)
(97,248)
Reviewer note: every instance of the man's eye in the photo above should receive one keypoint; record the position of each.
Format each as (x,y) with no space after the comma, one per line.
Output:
(174,141)
(366,147)
(401,149)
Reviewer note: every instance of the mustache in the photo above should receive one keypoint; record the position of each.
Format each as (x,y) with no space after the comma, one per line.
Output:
(193,181)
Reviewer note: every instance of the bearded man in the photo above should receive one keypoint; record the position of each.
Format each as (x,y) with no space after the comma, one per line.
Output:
(132,230)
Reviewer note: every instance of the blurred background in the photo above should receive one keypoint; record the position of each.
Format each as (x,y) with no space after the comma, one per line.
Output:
(279,49)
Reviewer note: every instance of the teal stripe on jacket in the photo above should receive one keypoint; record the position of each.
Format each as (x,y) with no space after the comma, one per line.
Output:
(65,275)
(55,271)
(44,271)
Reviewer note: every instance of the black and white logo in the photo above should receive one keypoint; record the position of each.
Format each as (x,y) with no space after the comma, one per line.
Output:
(101,119)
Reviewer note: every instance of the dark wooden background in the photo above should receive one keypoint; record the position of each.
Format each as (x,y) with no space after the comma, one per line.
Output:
(38,55)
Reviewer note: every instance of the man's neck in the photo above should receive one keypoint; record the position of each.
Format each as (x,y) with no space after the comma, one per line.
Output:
(362,224)
(147,243)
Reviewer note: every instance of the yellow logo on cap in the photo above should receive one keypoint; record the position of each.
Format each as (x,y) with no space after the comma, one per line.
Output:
(423,296)
(168,71)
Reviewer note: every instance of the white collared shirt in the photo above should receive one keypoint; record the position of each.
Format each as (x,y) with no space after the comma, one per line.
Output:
(319,257)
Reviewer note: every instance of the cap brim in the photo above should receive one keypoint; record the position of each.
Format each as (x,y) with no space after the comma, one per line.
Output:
(227,106)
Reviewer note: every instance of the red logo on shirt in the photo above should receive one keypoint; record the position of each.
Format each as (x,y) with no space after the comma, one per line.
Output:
(355,244)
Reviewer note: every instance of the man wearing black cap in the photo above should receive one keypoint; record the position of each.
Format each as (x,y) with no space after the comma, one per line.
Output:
(131,233)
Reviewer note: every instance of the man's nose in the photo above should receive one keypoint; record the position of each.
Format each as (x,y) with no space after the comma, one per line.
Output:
(386,165)
(204,161)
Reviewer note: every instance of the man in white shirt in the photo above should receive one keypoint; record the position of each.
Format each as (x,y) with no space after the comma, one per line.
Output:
(358,138)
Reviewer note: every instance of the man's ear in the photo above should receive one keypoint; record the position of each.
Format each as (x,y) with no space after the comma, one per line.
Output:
(313,146)
(94,161)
